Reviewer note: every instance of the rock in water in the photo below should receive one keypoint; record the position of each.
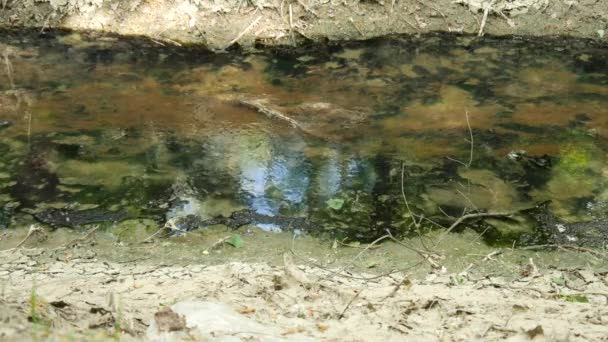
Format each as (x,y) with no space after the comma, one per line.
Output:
(5,124)
(77,218)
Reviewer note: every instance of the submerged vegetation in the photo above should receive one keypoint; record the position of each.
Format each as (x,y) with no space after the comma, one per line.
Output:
(400,135)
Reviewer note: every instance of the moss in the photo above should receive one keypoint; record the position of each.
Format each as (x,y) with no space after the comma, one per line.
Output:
(575,159)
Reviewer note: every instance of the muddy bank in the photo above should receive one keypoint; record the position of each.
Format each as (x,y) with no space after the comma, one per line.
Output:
(220,24)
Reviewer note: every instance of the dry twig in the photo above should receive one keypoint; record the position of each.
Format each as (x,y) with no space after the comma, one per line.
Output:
(84,238)
(244,31)
(308,8)
(407,205)
(9,69)
(220,242)
(293,39)
(355,26)
(34,229)
(567,247)
(169,225)
(349,304)
(486,11)
(471,143)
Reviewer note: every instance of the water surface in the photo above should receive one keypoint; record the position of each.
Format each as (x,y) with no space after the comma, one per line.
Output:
(340,135)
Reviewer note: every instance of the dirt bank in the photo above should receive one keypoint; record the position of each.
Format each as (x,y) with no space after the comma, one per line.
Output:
(71,293)
(222,23)
(97,288)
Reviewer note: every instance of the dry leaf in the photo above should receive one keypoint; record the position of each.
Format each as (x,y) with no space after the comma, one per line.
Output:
(245,310)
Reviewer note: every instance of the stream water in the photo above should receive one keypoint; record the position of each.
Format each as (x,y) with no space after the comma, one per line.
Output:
(341,136)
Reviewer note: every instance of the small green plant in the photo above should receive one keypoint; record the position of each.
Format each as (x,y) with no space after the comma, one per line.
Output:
(117,323)
(575,298)
(33,305)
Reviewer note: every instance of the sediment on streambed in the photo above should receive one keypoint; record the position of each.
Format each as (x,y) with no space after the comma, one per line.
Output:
(221,24)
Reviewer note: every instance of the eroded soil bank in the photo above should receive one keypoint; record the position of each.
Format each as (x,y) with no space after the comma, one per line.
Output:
(222,23)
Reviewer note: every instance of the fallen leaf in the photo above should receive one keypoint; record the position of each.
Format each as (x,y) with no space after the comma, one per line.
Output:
(245,310)
(292,331)
(538,330)
(236,241)
(322,327)
(335,203)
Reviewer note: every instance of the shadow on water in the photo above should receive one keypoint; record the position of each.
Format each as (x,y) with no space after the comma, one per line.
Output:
(330,141)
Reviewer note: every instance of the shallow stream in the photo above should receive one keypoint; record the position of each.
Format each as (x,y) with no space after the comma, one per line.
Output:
(404,134)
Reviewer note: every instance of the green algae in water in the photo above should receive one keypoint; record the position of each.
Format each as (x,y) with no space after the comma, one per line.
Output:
(162,131)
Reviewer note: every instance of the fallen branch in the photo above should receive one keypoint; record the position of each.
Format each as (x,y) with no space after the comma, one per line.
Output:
(426,255)
(468,217)
(354,246)
(262,107)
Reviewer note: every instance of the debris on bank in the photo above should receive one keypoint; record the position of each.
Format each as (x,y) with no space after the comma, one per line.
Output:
(224,23)
(66,293)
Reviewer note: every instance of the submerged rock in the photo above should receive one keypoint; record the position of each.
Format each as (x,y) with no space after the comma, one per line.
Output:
(5,124)
(241,218)
(553,230)
(77,218)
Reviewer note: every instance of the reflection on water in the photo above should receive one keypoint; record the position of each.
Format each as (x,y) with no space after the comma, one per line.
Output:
(339,135)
